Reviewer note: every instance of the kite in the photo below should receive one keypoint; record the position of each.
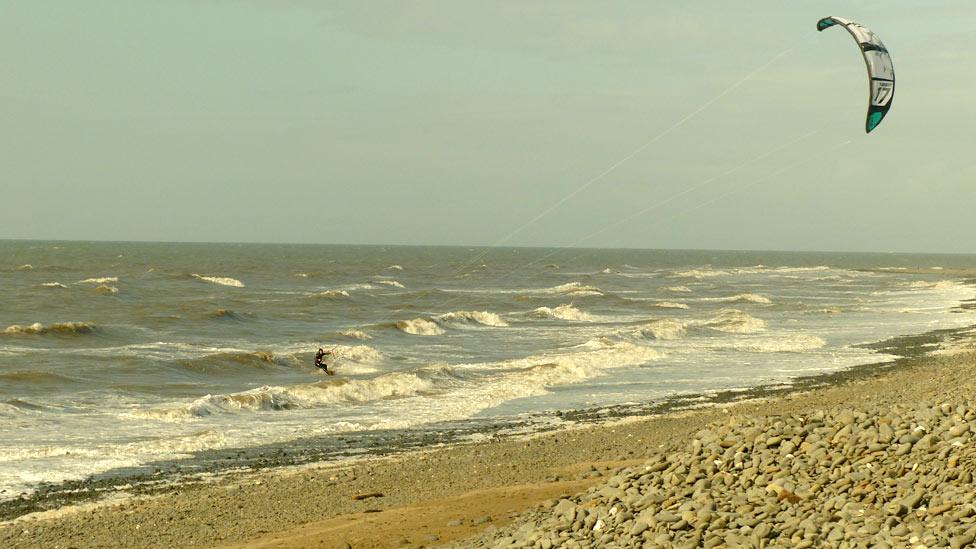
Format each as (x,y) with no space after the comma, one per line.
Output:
(881,73)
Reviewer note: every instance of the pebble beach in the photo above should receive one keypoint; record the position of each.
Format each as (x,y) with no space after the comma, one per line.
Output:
(883,456)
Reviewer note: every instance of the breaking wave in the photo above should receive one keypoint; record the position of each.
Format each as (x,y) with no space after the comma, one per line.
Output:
(53,285)
(699,274)
(100,280)
(393,283)
(665,329)
(59,328)
(734,321)
(939,285)
(356,334)
(478,317)
(679,289)
(670,305)
(438,390)
(221,280)
(740,298)
(105,289)
(419,326)
(394,268)
(573,289)
(332,294)
(562,312)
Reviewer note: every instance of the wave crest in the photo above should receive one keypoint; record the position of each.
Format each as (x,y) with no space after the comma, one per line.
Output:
(221,280)
(665,329)
(741,298)
(572,288)
(562,312)
(478,317)
(393,283)
(99,280)
(419,326)
(794,343)
(52,285)
(734,321)
(332,294)
(62,328)
(670,305)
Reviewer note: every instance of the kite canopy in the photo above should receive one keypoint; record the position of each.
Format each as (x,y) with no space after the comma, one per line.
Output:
(881,73)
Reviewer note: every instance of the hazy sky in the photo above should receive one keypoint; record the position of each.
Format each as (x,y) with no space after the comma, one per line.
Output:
(460,122)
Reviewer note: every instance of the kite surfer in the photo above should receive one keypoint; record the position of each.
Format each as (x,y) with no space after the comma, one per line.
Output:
(320,362)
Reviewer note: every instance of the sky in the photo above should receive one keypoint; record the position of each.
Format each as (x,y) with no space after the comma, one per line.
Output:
(698,125)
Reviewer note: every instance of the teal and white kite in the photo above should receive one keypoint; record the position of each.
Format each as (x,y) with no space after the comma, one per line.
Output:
(881,73)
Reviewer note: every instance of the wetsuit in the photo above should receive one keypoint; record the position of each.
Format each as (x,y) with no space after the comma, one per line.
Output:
(319,360)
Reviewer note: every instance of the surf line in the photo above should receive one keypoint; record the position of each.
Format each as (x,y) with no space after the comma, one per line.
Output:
(623,160)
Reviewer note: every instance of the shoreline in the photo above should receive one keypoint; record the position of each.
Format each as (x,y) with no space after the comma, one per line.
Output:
(356,447)
(520,470)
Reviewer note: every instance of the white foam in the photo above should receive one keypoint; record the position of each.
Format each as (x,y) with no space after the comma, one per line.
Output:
(221,280)
(57,327)
(26,267)
(333,294)
(701,273)
(734,321)
(572,288)
(665,329)
(53,285)
(791,343)
(394,268)
(740,298)
(479,317)
(562,312)
(106,289)
(356,334)
(358,353)
(99,280)
(938,285)
(419,326)
(670,305)
(393,283)
(679,289)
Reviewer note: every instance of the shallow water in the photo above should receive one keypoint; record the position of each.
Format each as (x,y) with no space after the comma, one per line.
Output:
(119,354)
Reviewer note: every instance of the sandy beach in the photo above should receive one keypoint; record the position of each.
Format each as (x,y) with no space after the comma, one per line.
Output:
(432,497)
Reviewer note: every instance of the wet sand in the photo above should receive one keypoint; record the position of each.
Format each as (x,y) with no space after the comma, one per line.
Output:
(435,496)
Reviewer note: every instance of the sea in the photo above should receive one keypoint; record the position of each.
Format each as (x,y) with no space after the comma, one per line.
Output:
(121,354)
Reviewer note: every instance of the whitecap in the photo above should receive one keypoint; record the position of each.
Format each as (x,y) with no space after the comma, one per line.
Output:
(794,343)
(665,328)
(734,321)
(99,280)
(479,317)
(393,283)
(54,328)
(221,280)
(679,289)
(562,312)
(419,326)
(53,285)
(356,334)
(670,305)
